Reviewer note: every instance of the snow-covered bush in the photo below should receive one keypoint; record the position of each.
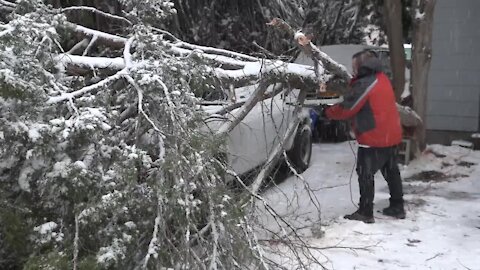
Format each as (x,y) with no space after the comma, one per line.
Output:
(107,169)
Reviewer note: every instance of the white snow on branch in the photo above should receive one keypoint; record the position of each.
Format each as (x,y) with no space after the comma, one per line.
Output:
(140,101)
(91,62)
(86,89)
(8,4)
(218,58)
(216,51)
(90,32)
(256,68)
(46,227)
(8,30)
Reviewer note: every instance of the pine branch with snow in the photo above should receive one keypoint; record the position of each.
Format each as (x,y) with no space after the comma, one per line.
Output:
(103,159)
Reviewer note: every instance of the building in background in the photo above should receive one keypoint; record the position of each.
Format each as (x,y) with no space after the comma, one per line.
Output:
(453,102)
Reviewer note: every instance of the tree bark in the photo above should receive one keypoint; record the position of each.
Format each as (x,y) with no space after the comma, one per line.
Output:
(393,25)
(422,14)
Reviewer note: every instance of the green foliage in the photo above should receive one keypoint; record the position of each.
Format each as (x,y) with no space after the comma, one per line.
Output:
(121,178)
(148,11)
(14,233)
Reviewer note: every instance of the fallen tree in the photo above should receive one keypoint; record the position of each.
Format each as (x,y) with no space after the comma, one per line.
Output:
(102,160)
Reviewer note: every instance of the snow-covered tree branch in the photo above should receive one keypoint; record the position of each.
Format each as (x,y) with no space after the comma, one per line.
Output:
(104,143)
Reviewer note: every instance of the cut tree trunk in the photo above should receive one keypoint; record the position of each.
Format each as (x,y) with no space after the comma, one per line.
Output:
(421,57)
(393,25)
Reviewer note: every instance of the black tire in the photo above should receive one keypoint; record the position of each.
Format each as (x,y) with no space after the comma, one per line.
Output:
(301,151)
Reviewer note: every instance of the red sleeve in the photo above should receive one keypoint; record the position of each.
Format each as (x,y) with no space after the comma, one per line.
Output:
(338,112)
(354,101)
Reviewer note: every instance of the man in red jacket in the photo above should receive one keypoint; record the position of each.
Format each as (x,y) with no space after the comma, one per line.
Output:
(376,123)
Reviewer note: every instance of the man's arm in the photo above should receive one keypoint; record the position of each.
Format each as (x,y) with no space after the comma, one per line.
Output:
(353,101)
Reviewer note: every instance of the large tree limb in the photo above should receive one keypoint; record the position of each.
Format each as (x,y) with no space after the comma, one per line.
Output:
(108,39)
(66,59)
(8,4)
(307,46)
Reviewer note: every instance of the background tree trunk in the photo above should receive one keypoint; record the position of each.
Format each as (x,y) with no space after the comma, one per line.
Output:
(393,25)
(422,14)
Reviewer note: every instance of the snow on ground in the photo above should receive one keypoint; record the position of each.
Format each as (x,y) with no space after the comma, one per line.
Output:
(441,231)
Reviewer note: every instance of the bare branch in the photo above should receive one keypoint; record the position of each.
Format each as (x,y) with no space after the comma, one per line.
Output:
(168,34)
(278,150)
(7,9)
(236,118)
(75,244)
(213,260)
(90,44)
(94,10)
(8,4)
(86,89)
(140,101)
(79,45)
(153,242)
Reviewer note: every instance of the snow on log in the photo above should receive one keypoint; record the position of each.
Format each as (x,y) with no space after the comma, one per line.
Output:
(300,76)
(109,39)
(232,68)
(216,51)
(229,62)
(116,63)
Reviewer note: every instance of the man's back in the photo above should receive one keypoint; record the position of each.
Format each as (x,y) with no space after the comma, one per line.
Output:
(381,103)
(371,105)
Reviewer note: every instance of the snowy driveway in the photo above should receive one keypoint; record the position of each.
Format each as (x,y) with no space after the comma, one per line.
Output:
(441,231)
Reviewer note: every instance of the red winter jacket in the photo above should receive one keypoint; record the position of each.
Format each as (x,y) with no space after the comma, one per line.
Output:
(371,104)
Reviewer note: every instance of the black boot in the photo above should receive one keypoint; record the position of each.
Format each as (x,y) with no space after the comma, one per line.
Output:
(361,216)
(395,209)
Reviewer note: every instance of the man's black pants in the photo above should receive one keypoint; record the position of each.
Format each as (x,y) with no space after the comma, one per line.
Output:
(371,160)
